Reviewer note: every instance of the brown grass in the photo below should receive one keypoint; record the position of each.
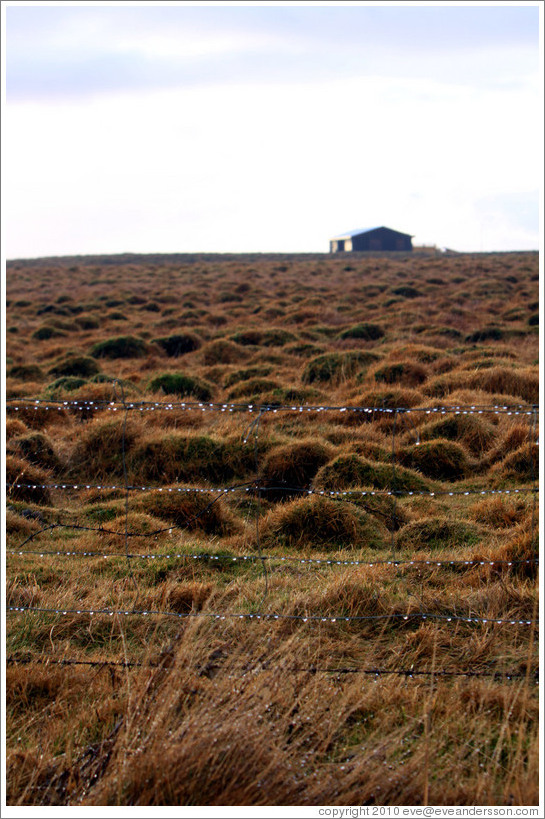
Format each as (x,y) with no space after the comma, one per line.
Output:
(253,712)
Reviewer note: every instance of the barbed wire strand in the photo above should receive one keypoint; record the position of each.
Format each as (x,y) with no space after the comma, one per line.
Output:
(104,404)
(249,485)
(266,666)
(338,618)
(260,556)
(125,406)
(280,558)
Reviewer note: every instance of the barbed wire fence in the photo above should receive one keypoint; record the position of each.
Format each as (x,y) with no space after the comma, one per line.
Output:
(257,489)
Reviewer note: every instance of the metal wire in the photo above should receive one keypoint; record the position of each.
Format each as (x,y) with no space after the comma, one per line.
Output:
(254,486)
(268,616)
(265,666)
(250,487)
(272,557)
(146,406)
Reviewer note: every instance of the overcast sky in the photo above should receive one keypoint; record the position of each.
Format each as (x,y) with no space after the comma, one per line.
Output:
(224,128)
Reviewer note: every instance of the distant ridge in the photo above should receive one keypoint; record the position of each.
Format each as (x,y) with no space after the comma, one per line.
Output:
(156,258)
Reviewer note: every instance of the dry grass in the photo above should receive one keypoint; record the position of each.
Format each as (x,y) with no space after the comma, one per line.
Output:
(264,712)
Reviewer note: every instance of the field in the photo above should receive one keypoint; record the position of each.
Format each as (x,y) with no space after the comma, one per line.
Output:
(272,530)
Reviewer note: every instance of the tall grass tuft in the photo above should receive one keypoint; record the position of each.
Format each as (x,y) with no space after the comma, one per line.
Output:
(321,523)
(31,478)
(286,470)
(439,459)
(181,385)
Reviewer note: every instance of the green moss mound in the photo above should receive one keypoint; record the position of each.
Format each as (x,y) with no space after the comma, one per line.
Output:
(282,396)
(486,334)
(191,511)
(46,331)
(350,471)
(98,450)
(54,309)
(334,368)
(26,372)
(391,398)
(365,332)
(222,351)
(291,467)
(179,344)
(402,372)
(439,459)
(406,291)
(120,347)
(472,431)
(75,365)
(438,533)
(253,389)
(274,337)
(246,374)
(87,322)
(102,378)
(385,508)
(37,449)
(68,383)
(449,332)
(200,458)
(304,350)
(182,386)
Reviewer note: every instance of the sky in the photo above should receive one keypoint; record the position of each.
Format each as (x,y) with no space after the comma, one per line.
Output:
(271,127)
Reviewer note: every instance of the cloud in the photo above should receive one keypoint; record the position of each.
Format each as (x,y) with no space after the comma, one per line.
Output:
(56,52)
(253,167)
(242,128)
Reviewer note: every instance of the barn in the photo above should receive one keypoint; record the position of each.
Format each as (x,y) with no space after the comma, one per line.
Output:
(378,239)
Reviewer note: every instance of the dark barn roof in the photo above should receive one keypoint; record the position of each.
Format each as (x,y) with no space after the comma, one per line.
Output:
(360,231)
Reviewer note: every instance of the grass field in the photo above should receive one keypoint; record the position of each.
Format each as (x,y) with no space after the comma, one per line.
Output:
(386,541)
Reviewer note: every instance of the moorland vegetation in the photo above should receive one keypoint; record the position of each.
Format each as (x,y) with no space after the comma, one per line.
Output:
(383,514)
